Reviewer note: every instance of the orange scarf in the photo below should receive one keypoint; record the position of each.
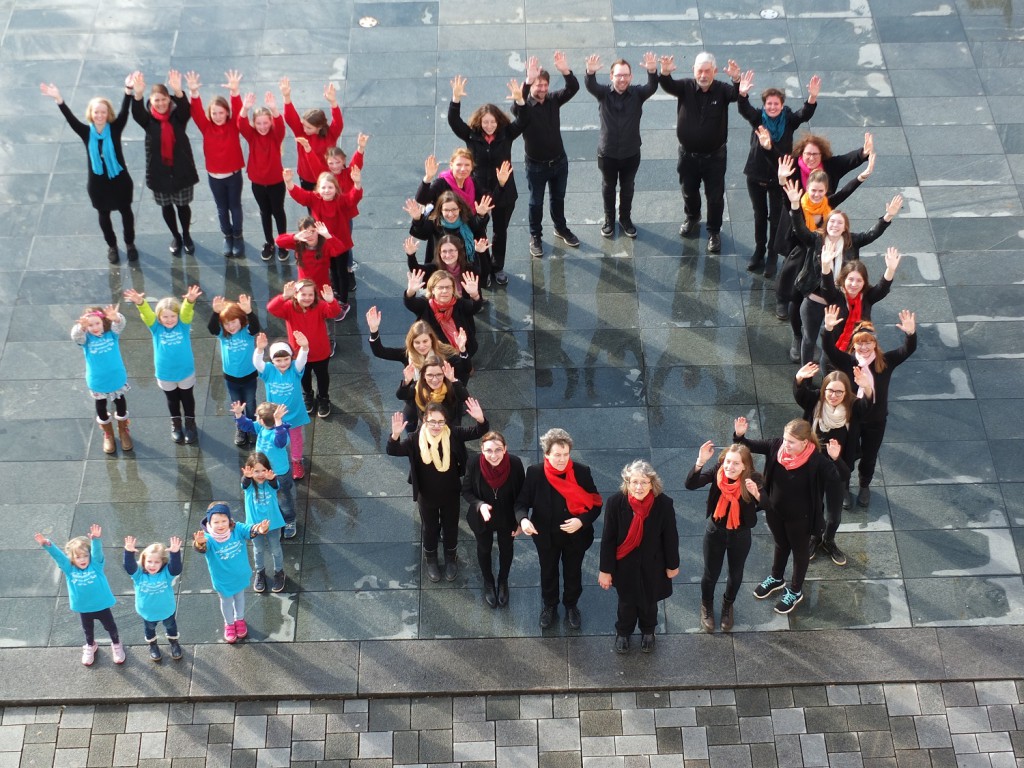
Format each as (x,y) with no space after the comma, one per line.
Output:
(577,500)
(729,502)
(812,210)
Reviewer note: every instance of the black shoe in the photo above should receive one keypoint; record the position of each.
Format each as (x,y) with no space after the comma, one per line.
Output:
(647,642)
(572,617)
(782,310)
(278,584)
(176,653)
(756,260)
(547,616)
(228,246)
(627,227)
(502,594)
(490,594)
(689,228)
(714,242)
(268,252)
(334,344)
(309,401)
(536,247)
(282,254)
(191,434)
(833,551)
(188,245)
(451,564)
(238,247)
(863,496)
(133,252)
(794,351)
(154,652)
(847,500)
(176,434)
(770,262)
(112,256)
(259,584)
(241,438)
(175,246)
(500,277)
(433,571)
(622,644)
(566,236)
(607,227)
(323,407)
(812,548)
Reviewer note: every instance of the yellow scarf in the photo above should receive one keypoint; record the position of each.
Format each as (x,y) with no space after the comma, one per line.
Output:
(429,453)
(812,210)
(433,396)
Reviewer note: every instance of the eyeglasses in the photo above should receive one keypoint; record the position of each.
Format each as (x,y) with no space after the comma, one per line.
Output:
(449,210)
(812,154)
(640,483)
(494,450)
(835,391)
(433,375)
(434,423)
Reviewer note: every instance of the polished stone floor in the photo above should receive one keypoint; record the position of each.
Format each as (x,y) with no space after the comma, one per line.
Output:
(639,348)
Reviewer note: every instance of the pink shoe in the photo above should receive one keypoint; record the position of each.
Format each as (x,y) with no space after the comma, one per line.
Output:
(89,654)
(297,471)
(241,630)
(344,313)
(229,633)
(118,652)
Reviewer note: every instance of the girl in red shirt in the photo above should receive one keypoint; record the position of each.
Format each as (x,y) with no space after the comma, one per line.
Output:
(265,135)
(315,251)
(314,127)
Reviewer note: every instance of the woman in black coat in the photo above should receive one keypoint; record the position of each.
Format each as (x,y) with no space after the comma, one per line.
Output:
(170,167)
(110,185)
(491,486)
(796,475)
(420,343)
(446,313)
(437,462)
(731,514)
(558,507)
(863,353)
(639,552)
(433,382)
(489,136)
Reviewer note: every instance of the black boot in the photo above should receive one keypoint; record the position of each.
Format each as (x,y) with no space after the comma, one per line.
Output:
(191,435)
(175,648)
(154,651)
(433,571)
(490,593)
(502,593)
(770,262)
(176,434)
(451,564)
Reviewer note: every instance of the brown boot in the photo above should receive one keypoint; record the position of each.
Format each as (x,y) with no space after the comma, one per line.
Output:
(124,434)
(727,617)
(707,617)
(109,446)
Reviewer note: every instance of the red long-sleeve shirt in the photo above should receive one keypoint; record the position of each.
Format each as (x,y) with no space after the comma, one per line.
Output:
(264,151)
(319,165)
(336,213)
(318,144)
(312,322)
(221,145)
(317,270)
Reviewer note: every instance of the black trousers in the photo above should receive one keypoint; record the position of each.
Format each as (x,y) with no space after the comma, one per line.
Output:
(631,614)
(323,378)
(792,534)
(106,618)
(500,218)
(484,548)
(766,200)
(270,199)
(621,172)
(439,518)
(720,543)
(127,221)
(709,169)
(827,523)
(570,553)
(179,400)
(871,434)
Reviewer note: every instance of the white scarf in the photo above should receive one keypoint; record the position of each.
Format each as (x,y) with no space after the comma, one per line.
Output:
(429,453)
(829,418)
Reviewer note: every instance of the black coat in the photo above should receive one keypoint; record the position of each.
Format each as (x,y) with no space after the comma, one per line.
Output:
(462,315)
(706,475)
(639,577)
(476,491)
(410,448)
(820,464)
(549,510)
(845,362)
(105,194)
(460,363)
(488,156)
(182,173)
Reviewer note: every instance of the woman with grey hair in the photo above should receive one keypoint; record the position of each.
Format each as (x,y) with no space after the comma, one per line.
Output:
(639,552)
(558,506)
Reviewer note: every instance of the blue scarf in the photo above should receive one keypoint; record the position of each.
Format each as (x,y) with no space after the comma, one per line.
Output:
(109,154)
(467,236)
(776,125)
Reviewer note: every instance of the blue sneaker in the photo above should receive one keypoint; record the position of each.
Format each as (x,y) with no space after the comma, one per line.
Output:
(290,531)
(789,601)
(768,587)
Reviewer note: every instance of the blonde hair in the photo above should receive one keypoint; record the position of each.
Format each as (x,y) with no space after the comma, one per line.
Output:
(165,304)
(156,549)
(802,430)
(78,544)
(463,152)
(93,102)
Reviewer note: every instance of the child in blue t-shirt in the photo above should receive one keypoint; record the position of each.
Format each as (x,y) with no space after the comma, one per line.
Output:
(88,589)
(259,485)
(271,433)
(236,326)
(153,576)
(223,542)
(98,332)
(170,324)
(283,383)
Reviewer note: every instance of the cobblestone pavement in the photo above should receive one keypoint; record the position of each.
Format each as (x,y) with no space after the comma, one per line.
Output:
(947,725)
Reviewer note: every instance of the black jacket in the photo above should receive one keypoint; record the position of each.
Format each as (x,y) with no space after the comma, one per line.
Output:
(696,479)
(639,578)
(410,448)
(182,172)
(489,155)
(620,116)
(549,510)
(476,491)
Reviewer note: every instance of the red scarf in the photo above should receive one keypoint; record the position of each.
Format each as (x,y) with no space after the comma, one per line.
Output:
(795,462)
(856,305)
(641,509)
(729,502)
(443,313)
(467,191)
(166,135)
(577,500)
(497,476)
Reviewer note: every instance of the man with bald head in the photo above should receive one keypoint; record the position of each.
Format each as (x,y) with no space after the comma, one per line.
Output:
(702,127)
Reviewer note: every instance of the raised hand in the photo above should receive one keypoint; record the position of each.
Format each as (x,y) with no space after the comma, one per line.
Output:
(732,69)
(409,245)
(474,410)
(561,63)
(894,206)
(327,293)
(763,137)
(481,245)
(288,290)
(503,173)
(247,471)
(398,424)
(193,293)
(356,174)
(51,90)
(793,192)
(280,411)
(129,544)
(175,543)
(532,69)
(908,322)
(892,261)
(485,205)
(415,282)
(448,370)
(471,285)
(739,426)
(409,373)
(288,177)
(174,81)
(270,103)
(668,65)
(322,230)
(373,317)
(300,339)
(430,167)
(262,527)
(649,61)
(261,341)
(361,141)
(461,339)
(752,488)
(331,94)
(95,531)
(138,84)
(706,451)
(199,538)
(746,82)
(134,296)
(237,408)
(285,86)
(834,448)
(111,312)
(413,209)
(869,143)
(832,318)
(217,304)
(192,80)
(245,303)
(813,88)
(458,88)
(863,175)
(303,142)
(248,101)
(861,379)
(593,63)
(785,167)
(515,91)
(41,540)
(807,371)
(233,77)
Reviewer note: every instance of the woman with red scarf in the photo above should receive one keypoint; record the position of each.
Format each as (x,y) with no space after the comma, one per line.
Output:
(639,552)
(796,475)
(558,506)
(170,167)
(731,515)
(446,313)
(492,484)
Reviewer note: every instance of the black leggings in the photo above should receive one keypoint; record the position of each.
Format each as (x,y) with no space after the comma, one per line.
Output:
(720,542)
(120,408)
(792,534)
(184,213)
(484,547)
(340,274)
(270,199)
(179,400)
(871,434)
(107,226)
(106,618)
(323,378)
(500,218)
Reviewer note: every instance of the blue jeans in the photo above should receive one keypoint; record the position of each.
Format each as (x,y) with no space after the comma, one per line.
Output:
(260,545)
(286,496)
(170,628)
(227,194)
(243,391)
(556,176)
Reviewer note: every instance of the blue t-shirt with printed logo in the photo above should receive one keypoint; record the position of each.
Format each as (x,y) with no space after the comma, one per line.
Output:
(154,592)
(228,561)
(261,504)
(88,588)
(104,366)
(172,351)
(236,353)
(286,389)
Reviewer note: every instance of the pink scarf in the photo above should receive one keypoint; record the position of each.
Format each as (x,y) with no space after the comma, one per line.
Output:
(790,462)
(864,363)
(467,192)
(804,171)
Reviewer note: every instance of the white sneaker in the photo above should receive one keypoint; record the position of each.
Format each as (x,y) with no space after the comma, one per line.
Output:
(118,651)
(89,654)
